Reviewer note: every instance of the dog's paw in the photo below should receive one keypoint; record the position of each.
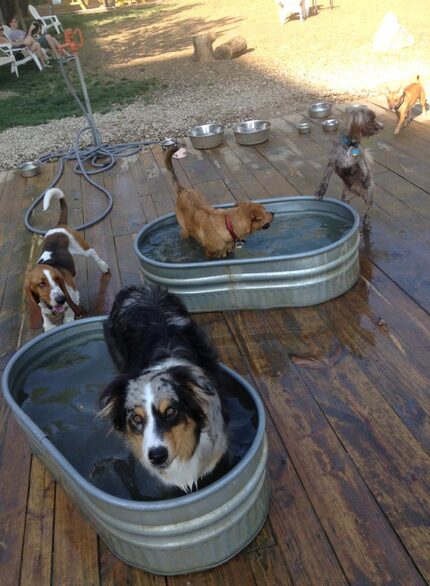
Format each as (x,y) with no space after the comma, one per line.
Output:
(104,267)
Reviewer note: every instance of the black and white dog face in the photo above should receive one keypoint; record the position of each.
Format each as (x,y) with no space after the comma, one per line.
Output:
(165,402)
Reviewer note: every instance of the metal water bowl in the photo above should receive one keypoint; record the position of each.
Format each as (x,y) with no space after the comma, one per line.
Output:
(304,128)
(206,136)
(251,132)
(29,168)
(188,533)
(169,143)
(330,125)
(320,110)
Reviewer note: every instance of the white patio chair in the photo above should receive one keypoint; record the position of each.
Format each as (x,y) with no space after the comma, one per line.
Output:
(21,54)
(287,7)
(7,56)
(48,21)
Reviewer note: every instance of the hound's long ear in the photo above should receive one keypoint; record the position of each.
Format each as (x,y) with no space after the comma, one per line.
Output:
(77,310)
(36,320)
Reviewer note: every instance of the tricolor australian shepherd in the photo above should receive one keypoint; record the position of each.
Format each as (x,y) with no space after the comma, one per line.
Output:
(166,401)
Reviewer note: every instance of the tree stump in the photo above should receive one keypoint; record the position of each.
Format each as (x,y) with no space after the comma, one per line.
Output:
(203,50)
(232,48)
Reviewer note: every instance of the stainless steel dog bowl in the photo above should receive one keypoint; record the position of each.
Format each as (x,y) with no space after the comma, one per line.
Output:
(251,132)
(304,128)
(52,385)
(307,256)
(330,125)
(320,110)
(29,168)
(206,136)
(168,143)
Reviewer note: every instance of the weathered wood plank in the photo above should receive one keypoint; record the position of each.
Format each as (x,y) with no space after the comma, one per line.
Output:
(15,461)
(100,237)
(242,184)
(114,572)
(75,556)
(235,571)
(39,524)
(365,543)
(299,535)
(269,568)
(382,448)
(128,262)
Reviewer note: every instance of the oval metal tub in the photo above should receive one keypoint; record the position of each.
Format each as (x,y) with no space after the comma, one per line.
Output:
(250,280)
(179,535)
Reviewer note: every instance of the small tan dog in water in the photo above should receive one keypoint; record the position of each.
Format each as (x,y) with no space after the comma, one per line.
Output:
(217,230)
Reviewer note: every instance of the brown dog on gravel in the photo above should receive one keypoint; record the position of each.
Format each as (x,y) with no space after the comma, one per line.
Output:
(217,230)
(402,103)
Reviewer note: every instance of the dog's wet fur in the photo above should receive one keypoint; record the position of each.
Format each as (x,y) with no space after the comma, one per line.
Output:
(167,400)
(208,225)
(351,162)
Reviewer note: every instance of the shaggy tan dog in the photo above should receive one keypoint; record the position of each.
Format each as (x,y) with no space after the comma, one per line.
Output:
(217,230)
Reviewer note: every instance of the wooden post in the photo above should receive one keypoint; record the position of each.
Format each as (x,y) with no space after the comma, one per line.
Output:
(232,48)
(203,47)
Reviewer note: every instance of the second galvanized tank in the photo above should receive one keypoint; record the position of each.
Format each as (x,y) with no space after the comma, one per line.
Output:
(309,255)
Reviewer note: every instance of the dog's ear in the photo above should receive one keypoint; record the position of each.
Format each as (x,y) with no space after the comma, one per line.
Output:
(112,402)
(256,217)
(354,123)
(36,320)
(77,310)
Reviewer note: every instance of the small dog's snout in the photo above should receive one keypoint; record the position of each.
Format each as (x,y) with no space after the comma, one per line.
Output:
(60,299)
(158,455)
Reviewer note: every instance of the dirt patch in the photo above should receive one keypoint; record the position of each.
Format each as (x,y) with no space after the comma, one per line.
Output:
(287,67)
(330,54)
(4,95)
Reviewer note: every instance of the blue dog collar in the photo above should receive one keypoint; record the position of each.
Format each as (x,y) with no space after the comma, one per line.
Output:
(355,145)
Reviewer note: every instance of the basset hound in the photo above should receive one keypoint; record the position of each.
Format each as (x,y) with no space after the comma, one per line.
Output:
(50,285)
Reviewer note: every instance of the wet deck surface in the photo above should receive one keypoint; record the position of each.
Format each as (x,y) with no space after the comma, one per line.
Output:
(345,383)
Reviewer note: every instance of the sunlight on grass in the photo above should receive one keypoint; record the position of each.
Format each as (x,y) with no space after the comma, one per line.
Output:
(42,96)
(38,97)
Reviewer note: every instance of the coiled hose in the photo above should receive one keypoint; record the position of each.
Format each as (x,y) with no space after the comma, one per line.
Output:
(100,156)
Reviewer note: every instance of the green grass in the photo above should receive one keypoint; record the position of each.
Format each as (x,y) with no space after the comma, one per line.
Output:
(38,97)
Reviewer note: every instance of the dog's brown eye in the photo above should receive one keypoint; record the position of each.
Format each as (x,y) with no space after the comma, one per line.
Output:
(42,284)
(170,412)
(136,423)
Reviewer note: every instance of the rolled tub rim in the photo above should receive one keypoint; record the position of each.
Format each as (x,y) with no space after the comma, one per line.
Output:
(255,260)
(185,500)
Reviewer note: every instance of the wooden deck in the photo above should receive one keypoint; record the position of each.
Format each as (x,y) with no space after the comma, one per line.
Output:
(346,384)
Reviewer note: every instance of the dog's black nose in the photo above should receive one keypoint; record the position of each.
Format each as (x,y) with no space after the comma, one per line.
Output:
(60,300)
(266,226)
(158,455)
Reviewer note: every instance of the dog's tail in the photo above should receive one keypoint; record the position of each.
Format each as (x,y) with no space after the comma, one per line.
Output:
(55,192)
(321,191)
(169,165)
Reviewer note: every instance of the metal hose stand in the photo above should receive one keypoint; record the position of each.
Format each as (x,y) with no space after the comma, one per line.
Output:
(90,154)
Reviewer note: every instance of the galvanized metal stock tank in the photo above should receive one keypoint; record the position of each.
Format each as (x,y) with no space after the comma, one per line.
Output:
(287,280)
(174,536)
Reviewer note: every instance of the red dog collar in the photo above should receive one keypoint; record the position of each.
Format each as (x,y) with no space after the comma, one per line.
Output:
(229,226)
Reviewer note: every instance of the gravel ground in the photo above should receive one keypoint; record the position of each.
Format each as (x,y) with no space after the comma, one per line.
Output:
(329,56)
